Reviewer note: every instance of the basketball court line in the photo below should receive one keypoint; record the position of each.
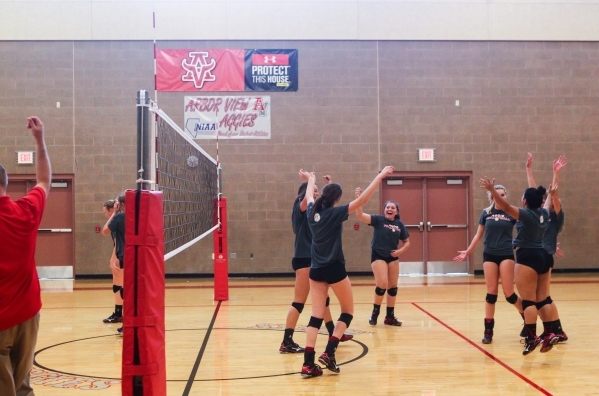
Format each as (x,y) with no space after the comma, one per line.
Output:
(489,355)
(196,365)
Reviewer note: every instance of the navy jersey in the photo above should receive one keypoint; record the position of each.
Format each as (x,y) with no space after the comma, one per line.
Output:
(327,228)
(499,230)
(303,236)
(117,228)
(531,227)
(556,222)
(387,234)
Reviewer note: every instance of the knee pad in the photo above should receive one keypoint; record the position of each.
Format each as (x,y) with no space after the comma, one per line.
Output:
(512,299)
(526,304)
(122,293)
(116,288)
(326,303)
(541,304)
(549,300)
(345,318)
(392,292)
(298,306)
(315,322)
(491,298)
(379,291)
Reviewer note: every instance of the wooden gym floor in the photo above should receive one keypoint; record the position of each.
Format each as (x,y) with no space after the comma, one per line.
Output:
(234,344)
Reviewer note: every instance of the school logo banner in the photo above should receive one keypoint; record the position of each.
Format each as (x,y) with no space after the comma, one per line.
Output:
(271,70)
(221,70)
(199,70)
(227,117)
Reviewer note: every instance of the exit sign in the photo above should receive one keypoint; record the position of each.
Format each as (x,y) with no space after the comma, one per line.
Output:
(426,155)
(25,157)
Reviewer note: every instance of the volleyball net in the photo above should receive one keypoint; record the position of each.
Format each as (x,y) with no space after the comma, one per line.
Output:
(177,203)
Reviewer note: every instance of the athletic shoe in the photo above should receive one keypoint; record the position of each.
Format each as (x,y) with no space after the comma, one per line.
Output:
(548,342)
(329,362)
(392,321)
(114,318)
(562,337)
(488,337)
(346,337)
(530,345)
(290,347)
(524,332)
(119,331)
(311,371)
(372,320)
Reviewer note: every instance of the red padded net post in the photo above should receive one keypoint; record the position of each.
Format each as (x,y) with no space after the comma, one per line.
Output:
(144,357)
(221,254)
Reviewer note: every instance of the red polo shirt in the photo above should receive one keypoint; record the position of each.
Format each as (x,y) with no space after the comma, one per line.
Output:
(20,297)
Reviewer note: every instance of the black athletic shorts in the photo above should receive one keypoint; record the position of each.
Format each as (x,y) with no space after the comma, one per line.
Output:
(496,259)
(374,255)
(533,258)
(331,273)
(299,263)
(550,260)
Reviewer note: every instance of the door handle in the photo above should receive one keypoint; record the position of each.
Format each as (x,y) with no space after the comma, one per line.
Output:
(54,230)
(421,226)
(428,226)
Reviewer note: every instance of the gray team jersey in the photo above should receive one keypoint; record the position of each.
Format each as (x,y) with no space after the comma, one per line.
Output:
(556,222)
(387,234)
(303,236)
(499,230)
(531,227)
(327,227)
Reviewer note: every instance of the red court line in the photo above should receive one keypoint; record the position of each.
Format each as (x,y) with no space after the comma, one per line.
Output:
(489,355)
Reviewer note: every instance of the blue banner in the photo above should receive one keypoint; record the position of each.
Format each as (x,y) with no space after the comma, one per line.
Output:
(271,70)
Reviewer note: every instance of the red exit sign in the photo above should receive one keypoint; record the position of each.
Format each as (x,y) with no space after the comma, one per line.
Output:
(25,157)
(426,155)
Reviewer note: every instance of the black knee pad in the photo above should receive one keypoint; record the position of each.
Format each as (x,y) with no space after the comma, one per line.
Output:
(122,293)
(526,304)
(379,291)
(326,303)
(541,304)
(116,288)
(512,299)
(298,306)
(549,300)
(392,292)
(315,322)
(491,298)
(345,318)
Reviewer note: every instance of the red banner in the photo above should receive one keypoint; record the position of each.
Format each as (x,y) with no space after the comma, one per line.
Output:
(200,70)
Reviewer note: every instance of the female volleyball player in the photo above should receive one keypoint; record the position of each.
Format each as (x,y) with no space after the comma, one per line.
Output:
(301,265)
(495,227)
(116,226)
(532,267)
(551,324)
(384,258)
(117,315)
(328,265)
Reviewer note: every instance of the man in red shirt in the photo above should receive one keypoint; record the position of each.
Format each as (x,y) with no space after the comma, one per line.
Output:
(20,297)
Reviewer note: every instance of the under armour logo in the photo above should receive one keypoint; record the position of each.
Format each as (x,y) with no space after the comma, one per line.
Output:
(199,70)
(270,59)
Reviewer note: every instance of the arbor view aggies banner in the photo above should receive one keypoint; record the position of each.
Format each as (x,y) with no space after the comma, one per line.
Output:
(229,117)
(187,70)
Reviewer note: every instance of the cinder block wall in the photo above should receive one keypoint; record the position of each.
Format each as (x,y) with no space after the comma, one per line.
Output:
(361,105)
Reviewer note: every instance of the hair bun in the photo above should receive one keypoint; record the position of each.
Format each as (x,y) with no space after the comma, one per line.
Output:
(541,190)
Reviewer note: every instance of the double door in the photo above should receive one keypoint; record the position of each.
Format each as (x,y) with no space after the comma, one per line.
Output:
(435,210)
(54,254)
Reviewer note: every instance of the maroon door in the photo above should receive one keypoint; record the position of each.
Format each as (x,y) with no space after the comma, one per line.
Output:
(434,208)
(54,254)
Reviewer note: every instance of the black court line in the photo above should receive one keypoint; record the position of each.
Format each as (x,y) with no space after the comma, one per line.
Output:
(196,365)
(490,355)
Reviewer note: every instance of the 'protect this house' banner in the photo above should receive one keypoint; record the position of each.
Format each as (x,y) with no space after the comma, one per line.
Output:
(226,70)
(227,117)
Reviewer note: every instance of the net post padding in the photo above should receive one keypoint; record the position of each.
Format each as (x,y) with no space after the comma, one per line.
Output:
(144,356)
(221,253)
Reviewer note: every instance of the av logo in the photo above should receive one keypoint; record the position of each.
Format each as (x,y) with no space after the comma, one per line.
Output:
(199,69)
